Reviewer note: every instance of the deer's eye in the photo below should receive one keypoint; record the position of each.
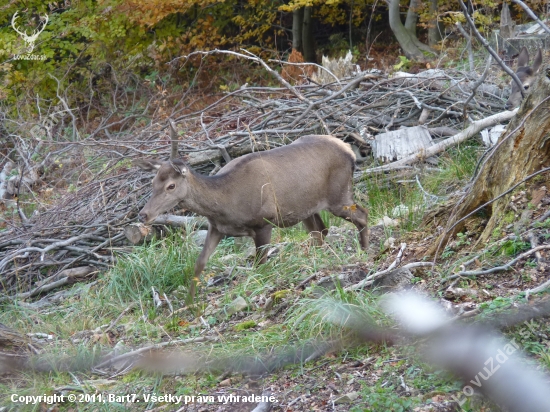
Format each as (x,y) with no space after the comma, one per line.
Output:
(171,187)
(526,87)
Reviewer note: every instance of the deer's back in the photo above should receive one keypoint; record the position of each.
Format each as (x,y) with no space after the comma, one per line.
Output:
(290,183)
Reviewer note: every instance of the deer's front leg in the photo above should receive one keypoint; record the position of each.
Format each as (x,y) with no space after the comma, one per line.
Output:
(213,238)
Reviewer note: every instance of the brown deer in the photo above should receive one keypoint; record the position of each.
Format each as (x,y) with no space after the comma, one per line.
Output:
(253,193)
(526,75)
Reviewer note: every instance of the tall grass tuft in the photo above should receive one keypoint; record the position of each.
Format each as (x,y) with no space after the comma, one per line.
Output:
(329,315)
(163,264)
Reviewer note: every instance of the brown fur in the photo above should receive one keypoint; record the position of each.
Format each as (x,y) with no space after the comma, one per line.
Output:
(526,75)
(251,194)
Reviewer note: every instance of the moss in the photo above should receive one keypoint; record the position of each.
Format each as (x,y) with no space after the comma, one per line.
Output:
(280,295)
(509,217)
(248,324)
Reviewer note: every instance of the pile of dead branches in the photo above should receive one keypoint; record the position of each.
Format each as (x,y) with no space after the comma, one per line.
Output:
(86,226)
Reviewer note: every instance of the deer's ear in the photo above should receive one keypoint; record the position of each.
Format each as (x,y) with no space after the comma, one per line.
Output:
(523,58)
(149,165)
(538,61)
(179,166)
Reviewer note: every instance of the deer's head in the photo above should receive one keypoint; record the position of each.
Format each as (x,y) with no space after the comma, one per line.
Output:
(526,75)
(170,186)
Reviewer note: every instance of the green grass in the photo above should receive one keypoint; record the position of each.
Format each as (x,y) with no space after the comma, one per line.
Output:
(163,264)
(333,314)
(296,318)
(384,399)
(457,166)
(385,192)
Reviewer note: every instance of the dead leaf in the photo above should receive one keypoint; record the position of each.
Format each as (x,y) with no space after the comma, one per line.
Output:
(537,195)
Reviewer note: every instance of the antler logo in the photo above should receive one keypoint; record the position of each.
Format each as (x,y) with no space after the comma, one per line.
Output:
(30,39)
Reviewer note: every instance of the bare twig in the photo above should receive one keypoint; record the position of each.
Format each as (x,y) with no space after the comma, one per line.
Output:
(472,130)
(507,266)
(485,44)
(139,351)
(371,278)
(478,83)
(532,15)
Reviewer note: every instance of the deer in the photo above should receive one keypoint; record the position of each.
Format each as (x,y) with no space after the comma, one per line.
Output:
(526,75)
(30,39)
(256,192)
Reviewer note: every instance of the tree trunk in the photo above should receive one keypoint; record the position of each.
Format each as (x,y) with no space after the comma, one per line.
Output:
(412,47)
(435,27)
(307,35)
(412,17)
(525,152)
(297,23)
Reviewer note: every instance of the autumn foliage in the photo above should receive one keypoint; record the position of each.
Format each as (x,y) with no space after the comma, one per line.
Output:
(86,41)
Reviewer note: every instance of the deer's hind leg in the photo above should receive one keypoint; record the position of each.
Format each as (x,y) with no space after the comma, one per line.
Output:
(315,226)
(262,237)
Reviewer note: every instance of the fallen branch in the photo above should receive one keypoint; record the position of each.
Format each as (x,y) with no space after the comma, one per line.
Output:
(137,233)
(532,15)
(181,221)
(71,276)
(124,312)
(470,131)
(139,351)
(371,278)
(538,289)
(264,406)
(507,266)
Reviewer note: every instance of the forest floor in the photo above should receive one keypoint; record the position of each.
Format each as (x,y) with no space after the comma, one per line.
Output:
(71,341)
(248,312)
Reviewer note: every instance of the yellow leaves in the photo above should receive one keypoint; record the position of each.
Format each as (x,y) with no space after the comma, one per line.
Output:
(240,20)
(332,14)
(297,4)
(149,13)
(351,208)
(183,26)
(202,37)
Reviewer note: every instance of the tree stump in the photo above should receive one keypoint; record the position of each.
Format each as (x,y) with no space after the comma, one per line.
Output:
(521,151)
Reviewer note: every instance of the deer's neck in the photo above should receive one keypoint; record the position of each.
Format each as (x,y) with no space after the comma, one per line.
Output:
(207,195)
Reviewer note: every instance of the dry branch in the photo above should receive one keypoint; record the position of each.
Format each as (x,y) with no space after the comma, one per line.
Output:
(494,54)
(470,131)
(532,15)
(502,268)
(149,348)
(66,277)
(84,226)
